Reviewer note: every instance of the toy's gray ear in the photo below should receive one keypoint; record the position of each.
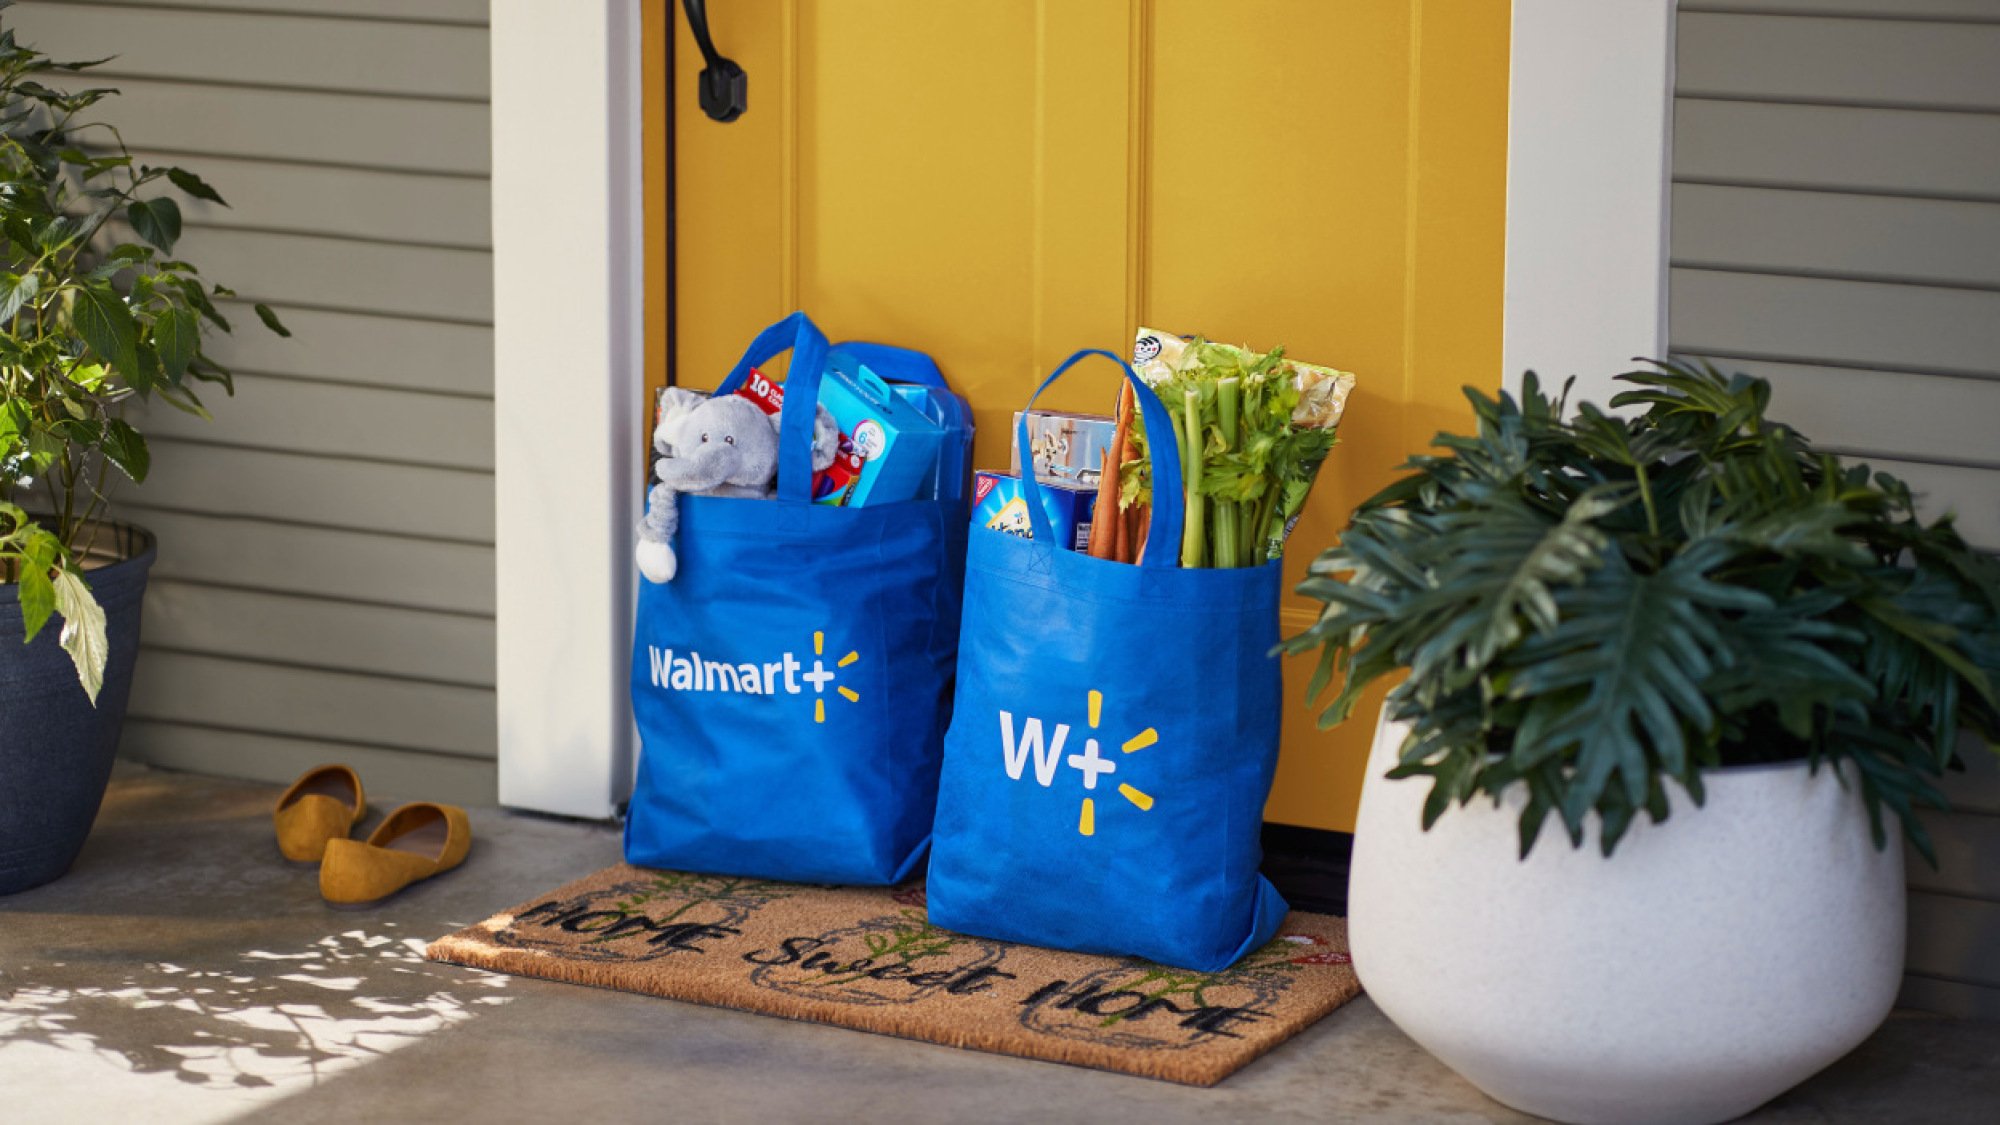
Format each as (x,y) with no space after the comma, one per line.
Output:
(826,439)
(676,403)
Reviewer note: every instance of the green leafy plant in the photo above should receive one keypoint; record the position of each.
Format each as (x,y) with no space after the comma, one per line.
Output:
(1593,607)
(95,312)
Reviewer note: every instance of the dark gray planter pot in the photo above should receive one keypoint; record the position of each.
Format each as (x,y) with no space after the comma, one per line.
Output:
(55,748)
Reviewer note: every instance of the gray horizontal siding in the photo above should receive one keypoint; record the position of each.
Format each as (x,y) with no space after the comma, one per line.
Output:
(465,13)
(454,648)
(357,349)
(328,492)
(1896,239)
(349,275)
(386,423)
(308,702)
(414,208)
(1951,11)
(1837,148)
(1836,229)
(262,756)
(293,51)
(445,137)
(1865,411)
(1792,58)
(415,572)
(324,589)
(1835,321)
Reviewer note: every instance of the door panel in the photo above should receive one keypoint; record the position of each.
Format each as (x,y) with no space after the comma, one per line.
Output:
(1001,183)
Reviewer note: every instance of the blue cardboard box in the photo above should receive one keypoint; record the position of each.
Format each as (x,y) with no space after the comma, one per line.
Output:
(894,441)
(998,505)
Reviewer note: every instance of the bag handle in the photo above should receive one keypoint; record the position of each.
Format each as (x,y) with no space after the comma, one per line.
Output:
(1165,452)
(799,335)
(894,364)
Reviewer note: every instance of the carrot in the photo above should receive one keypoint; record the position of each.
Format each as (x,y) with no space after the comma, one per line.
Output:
(1103,529)
(1114,534)
(1128,540)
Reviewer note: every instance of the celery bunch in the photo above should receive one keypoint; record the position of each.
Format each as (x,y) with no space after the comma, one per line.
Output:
(1249,449)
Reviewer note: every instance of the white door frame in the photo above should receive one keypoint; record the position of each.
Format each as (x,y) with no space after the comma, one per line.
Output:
(1589,103)
(568,377)
(1589,119)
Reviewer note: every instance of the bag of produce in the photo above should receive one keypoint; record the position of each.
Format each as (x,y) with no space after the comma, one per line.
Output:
(1113,739)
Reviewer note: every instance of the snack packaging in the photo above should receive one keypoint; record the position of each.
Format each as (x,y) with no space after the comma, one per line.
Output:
(998,504)
(1067,449)
(1155,355)
(896,443)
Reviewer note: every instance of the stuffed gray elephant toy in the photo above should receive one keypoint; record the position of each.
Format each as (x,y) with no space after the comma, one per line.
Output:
(724,445)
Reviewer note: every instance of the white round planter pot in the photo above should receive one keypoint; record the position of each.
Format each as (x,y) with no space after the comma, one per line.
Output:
(1712,963)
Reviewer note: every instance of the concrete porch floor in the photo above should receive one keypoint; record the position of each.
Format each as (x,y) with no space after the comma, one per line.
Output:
(184,972)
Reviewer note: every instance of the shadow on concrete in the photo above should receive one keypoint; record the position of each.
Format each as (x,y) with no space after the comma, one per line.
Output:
(274,1018)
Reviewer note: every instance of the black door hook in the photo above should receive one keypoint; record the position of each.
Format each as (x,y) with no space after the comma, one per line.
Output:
(724,88)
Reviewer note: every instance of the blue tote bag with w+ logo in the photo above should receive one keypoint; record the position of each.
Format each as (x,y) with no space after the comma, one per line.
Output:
(1113,742)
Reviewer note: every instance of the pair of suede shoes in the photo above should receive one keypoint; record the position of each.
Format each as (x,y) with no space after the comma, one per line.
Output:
(413,843)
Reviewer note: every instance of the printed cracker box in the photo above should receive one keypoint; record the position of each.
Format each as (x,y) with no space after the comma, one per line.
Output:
(1068,449)
(998,505)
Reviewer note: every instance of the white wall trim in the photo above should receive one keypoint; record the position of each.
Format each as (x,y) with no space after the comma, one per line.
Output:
(1590,106)
(568,332)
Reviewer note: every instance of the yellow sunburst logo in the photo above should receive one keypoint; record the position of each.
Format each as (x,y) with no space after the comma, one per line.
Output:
(820,677)
(1091,764)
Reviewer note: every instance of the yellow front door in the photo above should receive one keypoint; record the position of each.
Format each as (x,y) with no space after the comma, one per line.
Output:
(1001,182)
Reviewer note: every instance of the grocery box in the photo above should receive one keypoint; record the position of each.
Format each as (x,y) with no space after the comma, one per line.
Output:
(951,477)
(999,505)
(1067,449)
(894,442)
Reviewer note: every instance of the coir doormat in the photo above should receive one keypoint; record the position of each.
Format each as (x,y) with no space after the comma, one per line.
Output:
(866,958)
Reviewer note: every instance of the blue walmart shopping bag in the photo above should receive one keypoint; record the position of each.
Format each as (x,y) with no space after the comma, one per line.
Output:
(793,682)
(1113,742)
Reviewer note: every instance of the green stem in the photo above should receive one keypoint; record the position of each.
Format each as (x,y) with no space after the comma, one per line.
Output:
(1194,526)
(1646,497)
(1258,534)
(1228,513)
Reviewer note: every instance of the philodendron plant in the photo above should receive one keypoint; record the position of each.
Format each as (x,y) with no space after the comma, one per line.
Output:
(95,312)
(1595,607)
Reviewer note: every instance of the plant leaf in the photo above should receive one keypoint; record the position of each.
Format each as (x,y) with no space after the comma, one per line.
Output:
(38,599)
(177,337)
(271,320)
(158,221)
(83,635)
(105,324)
(126,448)
(194,185)
(17,290)
(39,550)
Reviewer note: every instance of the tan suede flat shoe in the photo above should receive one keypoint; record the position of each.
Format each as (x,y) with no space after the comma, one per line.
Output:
(325,803)
(416,842)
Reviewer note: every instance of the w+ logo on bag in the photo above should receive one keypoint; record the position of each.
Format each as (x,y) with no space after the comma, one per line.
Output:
(783,676)
(1016,751)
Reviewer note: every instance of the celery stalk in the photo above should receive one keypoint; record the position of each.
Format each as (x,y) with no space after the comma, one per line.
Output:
(1228,513)
(1193,530)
